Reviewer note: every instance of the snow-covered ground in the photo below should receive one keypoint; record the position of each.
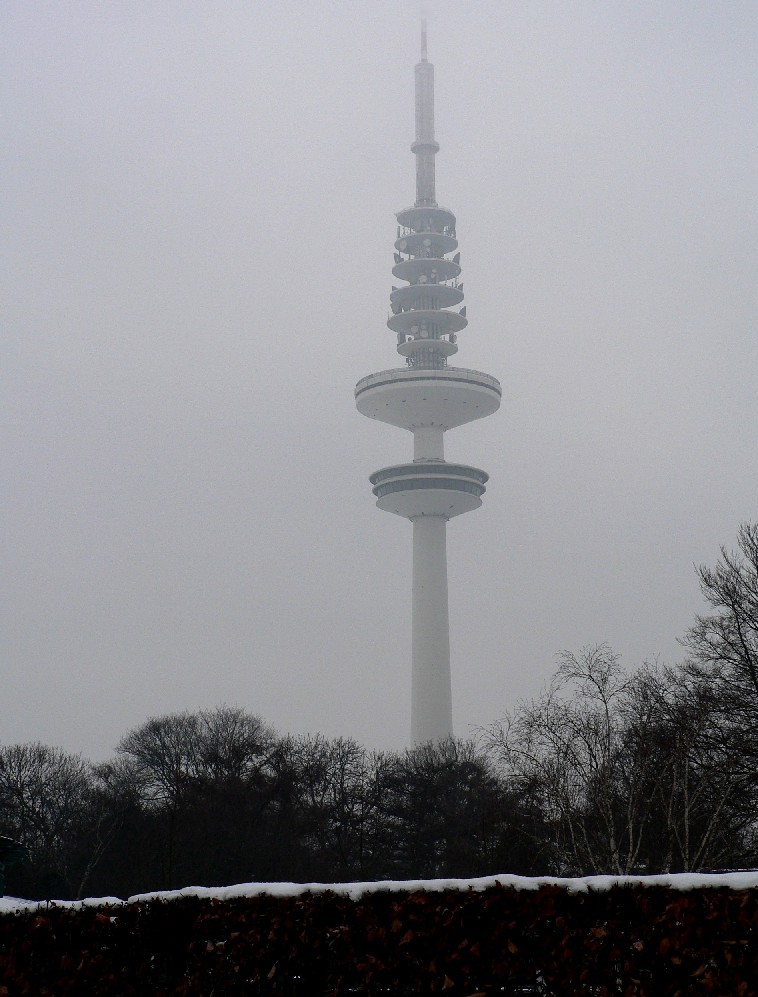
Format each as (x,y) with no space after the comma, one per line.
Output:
(678,881)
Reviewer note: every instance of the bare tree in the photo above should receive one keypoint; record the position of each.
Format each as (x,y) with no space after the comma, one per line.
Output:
(723,644)
(691,775)
(582,751)
(231,745)
(563,747)
(726,640)
(440,811)
(205,776)
(326,802)
(44,802)
(723,660)
(627,769)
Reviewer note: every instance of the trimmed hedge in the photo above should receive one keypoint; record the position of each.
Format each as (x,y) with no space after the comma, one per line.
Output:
(629,940)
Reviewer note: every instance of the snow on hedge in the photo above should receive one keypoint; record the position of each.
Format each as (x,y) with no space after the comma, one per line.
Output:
(676,881)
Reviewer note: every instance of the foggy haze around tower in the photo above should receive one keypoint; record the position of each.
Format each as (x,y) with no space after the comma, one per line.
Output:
(198,211)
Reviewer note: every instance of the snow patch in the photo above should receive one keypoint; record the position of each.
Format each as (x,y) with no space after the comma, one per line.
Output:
(355,891)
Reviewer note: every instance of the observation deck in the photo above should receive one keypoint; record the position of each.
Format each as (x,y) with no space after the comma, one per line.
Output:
(412,398)
(429,488)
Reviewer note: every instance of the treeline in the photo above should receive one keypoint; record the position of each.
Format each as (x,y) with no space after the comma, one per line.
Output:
(606,772)
(216,797)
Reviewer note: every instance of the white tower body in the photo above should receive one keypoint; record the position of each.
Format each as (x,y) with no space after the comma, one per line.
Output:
(427,398)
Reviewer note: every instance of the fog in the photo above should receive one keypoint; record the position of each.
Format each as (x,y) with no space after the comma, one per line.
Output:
(198,224)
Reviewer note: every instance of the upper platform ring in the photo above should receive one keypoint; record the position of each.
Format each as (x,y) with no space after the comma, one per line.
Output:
(411,398)
(402,374)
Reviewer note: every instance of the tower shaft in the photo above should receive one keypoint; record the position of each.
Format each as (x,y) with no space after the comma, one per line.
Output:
(428,443)
(431,695)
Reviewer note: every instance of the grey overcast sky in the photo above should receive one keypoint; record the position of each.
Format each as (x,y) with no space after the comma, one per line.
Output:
(198,216)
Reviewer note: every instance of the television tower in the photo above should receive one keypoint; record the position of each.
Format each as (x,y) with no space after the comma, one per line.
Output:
(427,397)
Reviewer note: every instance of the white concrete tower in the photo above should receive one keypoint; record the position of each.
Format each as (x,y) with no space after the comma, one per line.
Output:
(427,397)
